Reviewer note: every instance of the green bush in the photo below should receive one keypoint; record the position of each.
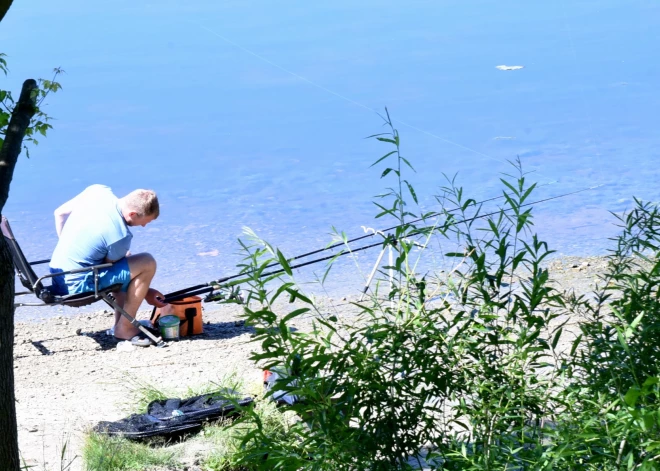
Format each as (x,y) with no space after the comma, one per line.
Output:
(460,367)
(611,418)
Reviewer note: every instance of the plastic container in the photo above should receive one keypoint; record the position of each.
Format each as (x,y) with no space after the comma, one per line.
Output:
(169,327)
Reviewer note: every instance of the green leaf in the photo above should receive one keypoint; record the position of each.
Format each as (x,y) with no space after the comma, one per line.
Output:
(631,396)
(284,330)
(555,339)
(382,158)
(281,290)
(408,164)
(285,264)
(637,320)
(295,313)
(412,191)
(493,227)
(385,139)
(297,295)
(510,186)
(386,171)
(527,193)
(330,264)
(467,203)
(576,344)
(651,380)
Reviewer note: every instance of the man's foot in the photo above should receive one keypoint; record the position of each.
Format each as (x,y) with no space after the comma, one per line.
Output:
(128,334)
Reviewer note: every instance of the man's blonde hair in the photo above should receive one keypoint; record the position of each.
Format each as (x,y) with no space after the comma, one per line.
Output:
(143,202)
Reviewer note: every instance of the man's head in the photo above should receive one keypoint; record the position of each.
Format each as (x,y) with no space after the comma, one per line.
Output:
(139,207)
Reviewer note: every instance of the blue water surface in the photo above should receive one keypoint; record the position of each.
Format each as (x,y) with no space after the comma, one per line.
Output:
(254,114)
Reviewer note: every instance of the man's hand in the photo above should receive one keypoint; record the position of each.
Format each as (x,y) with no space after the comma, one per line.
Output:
(155,298)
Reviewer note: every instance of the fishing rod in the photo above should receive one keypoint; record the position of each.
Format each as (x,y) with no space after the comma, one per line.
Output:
(355,239)
(222,282)
(391,238)
(206,287)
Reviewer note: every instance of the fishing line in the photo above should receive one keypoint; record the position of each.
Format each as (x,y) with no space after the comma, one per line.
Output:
(361,105)
(414,233)
(349,100)
(585,105)
(365,236)
(211,286)
(204,288)
(569,33)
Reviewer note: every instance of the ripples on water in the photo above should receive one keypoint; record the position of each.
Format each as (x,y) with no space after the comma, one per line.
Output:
(254,115)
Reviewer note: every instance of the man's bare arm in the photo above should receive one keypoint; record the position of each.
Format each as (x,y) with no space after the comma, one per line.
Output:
(61,215)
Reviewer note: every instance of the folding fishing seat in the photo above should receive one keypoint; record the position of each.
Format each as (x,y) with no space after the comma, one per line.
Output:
(35,285)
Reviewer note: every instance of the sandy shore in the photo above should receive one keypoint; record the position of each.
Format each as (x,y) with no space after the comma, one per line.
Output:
(70,375)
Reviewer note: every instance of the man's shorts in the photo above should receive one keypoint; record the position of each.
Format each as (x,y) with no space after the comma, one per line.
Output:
(117,273)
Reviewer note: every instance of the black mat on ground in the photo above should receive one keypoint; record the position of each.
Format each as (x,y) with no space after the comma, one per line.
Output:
(176,416)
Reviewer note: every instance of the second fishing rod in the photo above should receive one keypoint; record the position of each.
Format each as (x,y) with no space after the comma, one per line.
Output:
(208,287)
(387,238)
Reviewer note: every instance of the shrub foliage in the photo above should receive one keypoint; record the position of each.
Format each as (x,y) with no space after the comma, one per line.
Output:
(465,363)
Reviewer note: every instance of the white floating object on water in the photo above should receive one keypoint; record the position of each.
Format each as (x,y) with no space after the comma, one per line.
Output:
(509,67)
(212,253)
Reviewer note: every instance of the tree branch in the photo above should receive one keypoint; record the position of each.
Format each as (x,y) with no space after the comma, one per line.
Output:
(4,7)
(18,124)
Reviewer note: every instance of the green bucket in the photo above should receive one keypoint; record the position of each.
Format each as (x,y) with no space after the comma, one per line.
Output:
(169,327)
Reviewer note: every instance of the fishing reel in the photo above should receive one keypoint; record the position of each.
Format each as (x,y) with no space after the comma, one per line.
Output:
(226,295)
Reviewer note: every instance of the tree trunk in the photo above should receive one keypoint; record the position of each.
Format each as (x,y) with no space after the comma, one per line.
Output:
(11,148)
(18,124)
(9,458)
(4,6)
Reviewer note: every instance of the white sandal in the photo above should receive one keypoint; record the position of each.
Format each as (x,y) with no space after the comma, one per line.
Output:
(140,341)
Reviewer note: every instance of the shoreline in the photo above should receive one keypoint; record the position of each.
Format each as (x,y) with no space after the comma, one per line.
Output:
(69,374)
(346,288)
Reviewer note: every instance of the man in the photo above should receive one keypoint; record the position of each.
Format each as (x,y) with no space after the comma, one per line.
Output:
(93,228)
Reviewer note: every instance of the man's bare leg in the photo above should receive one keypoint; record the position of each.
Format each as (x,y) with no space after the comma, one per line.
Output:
(143,269)
(120,298)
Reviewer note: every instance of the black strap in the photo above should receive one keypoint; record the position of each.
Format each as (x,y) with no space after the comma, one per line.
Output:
(190,313)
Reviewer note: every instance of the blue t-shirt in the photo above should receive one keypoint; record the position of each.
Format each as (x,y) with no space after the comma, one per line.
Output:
(94,231)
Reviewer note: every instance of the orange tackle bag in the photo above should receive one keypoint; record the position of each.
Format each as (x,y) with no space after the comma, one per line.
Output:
(189,310)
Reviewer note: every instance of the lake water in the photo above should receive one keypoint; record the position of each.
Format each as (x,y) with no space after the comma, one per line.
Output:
(254,114)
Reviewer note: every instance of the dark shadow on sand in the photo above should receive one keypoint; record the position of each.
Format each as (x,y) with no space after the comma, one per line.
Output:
(43,350)
(212,331)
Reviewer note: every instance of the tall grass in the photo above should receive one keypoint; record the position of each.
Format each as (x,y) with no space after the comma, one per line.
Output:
(104,453)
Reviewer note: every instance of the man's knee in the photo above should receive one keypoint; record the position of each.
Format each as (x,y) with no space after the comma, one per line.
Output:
(150,260)
(141,262)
